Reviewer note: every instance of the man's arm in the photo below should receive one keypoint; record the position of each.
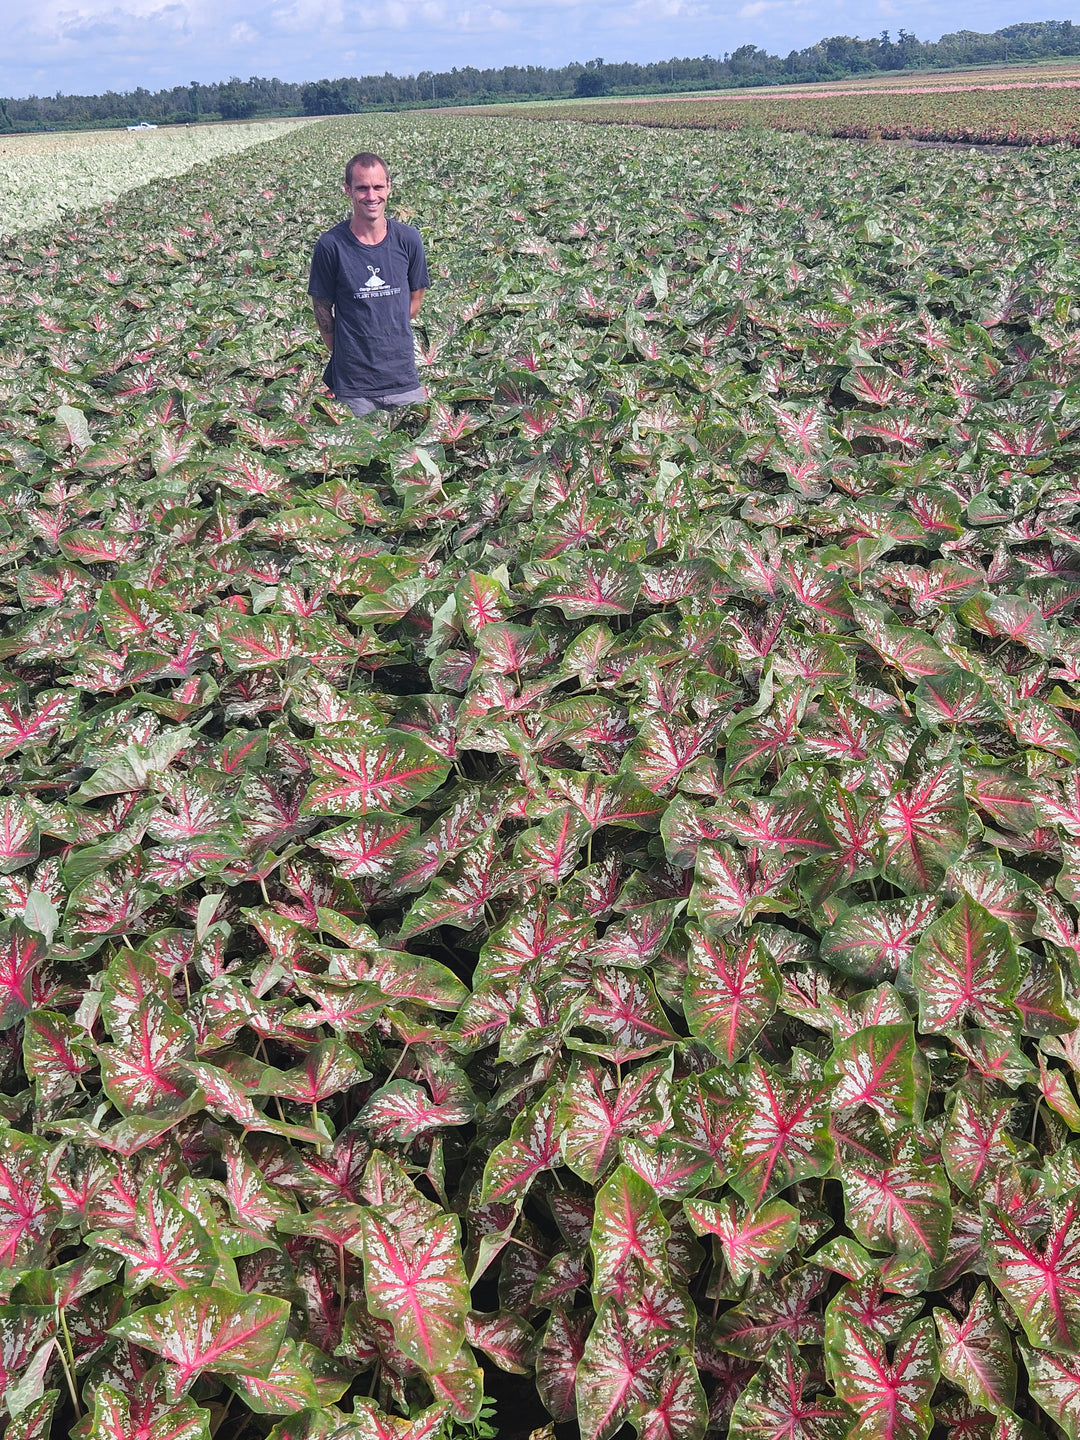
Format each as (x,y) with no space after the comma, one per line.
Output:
(416,299)
(324,319)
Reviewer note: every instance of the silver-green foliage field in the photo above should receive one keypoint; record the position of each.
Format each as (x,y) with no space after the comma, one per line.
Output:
(580,881)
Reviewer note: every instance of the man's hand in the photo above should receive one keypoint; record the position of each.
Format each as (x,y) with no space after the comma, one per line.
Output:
(416,299)
(324,319)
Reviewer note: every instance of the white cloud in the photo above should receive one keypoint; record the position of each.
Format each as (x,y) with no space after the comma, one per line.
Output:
(243,34)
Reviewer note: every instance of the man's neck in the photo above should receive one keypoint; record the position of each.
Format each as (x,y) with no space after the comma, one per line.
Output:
(369,234)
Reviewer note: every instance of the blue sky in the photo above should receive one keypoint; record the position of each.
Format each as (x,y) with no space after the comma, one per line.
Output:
(88,46)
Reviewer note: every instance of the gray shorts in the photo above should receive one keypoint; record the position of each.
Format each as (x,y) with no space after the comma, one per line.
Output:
(362,405)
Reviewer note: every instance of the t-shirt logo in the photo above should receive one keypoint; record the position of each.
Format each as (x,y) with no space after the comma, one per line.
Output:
(374,280)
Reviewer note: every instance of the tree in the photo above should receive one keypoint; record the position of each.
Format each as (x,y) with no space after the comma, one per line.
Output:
(590,83)
(235,100)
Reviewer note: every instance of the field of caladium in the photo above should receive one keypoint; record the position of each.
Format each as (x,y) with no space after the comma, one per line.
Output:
(44,175)
(572,897)
(924,110)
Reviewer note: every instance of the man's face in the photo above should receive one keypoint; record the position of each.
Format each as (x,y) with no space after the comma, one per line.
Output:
(368,191)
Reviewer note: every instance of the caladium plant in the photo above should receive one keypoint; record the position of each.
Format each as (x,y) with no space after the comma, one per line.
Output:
(576,881)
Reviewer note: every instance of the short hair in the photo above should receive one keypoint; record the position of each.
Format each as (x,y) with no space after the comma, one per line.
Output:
(366,160)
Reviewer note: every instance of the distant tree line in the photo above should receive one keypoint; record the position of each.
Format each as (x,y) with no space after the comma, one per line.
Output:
(830,59)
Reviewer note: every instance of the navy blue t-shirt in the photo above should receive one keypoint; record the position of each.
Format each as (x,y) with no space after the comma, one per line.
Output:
(369,287)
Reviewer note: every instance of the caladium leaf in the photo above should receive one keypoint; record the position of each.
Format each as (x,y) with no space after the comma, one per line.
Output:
(1039,1278)
(163,1245)
(28,1211)
(876,1067)
(21,952)
(617,1375)
(890,1397)
(504,1338)
(925,829)
(209,1329)
(415,1278)
(679,1406)
(776,1404)
(898,1204)
(113,1418)
(629,1236)
(534,1145)
(594,1114)
(356,775)
(753,1241)
(784,1135)
(976,1353)
(143,1073)
(561,1347)
(730,991)
(1054,1383)
(966,971)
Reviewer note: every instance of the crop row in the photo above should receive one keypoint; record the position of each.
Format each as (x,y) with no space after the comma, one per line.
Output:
(976,115)
(569,896)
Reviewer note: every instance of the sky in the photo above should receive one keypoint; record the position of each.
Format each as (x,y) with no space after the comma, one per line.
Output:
(89,46)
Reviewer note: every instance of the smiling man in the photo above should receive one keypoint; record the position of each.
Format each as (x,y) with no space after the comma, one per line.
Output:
(368,277)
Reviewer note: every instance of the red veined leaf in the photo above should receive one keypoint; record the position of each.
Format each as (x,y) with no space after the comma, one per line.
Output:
(28,1211)
(1054,1384)
(117,1417)
(758,742)
(163,1245)
(753,1242)
(776,1406)
(20,839)
(254,1204)
(415,1278)
(876,1067)
(478,875)
(670,1164)
(852,824)
(403,1111)
(35,1422)
(629,1236)
(624,1009)
(21,952)
(504,1338)
(617,1375)
(56,1052)
(135,618)
(534,1145)
(1007,796)
(594,1114)
(956,697)
(976,1143)
(890,1398)
(898,1204)
(370,847)
(549,851)
(873,942)
(708,1112)
(587,583)
(784,1135)
(142,1072)
(925,830)
(289,1387)
(732,886)
(561,1347)
(730,990)
(1039,1278)
(966,970)
(209,1329)
(976,1353)
(329,1067)
(664,749)
(52,709)
(678,1410)
(368,1422)
(356,775)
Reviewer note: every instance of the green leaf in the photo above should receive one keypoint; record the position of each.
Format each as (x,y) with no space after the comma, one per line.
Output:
(976,1353)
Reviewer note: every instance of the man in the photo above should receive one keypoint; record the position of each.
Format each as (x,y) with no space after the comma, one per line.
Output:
(368,277)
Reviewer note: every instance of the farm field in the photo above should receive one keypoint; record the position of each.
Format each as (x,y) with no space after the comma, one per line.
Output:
(1017,113)
(43,175)
(566,901)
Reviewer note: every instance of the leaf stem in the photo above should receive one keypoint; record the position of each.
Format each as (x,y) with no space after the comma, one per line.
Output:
(67,1360)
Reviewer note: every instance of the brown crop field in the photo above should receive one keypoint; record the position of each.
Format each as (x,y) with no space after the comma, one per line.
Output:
(1023,106)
